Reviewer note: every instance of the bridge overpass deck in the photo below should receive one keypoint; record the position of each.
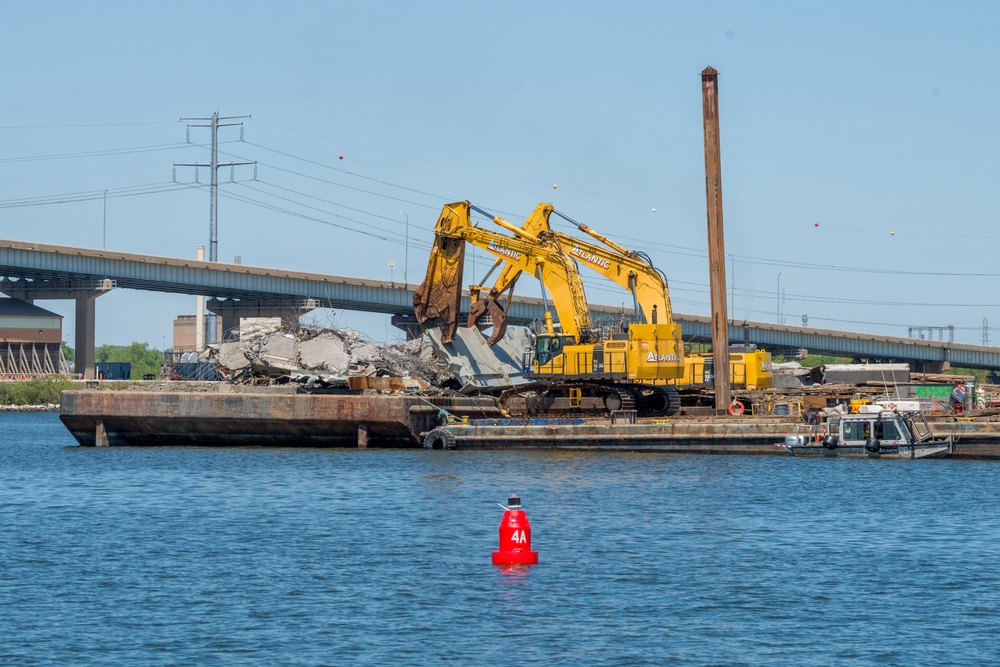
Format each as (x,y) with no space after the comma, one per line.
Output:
(49,271)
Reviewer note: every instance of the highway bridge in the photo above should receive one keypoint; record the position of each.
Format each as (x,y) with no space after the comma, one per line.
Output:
(34,271)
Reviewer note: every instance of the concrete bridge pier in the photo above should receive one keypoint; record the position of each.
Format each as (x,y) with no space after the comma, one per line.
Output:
(922,366)
(409,324)
(84,292)
(232,311)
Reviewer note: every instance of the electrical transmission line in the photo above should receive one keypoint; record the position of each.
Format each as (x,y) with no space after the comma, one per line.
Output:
(213,165)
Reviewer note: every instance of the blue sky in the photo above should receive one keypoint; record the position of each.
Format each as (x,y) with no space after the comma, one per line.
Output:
(867,118)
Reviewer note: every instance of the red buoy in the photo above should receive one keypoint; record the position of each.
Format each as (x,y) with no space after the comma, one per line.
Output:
(515,536)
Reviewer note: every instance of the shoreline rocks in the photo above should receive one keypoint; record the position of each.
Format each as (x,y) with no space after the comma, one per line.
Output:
(45,407)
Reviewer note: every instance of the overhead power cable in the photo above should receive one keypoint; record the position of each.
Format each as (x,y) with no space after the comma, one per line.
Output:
(91,195)
(74,125)
(327,201)
(402,169)
(102,153)
(347,171)
(341,185)
(674,249)
(366,229)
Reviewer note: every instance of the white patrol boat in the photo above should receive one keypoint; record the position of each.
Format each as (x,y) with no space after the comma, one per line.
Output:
(885,429)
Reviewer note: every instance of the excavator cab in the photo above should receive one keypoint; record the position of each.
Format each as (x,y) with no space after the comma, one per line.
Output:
(549,346)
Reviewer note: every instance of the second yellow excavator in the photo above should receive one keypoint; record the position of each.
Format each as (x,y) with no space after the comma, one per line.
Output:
(634,271)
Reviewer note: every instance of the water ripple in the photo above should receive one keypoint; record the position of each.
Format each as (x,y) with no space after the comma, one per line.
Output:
(343,557)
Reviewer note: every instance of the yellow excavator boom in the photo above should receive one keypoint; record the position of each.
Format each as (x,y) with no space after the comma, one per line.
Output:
(439,295)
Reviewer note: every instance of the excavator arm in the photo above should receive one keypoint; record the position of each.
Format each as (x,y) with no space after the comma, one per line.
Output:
(439,295)
(630,270)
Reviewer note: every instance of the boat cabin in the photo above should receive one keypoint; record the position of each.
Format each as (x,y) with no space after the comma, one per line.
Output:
(889,427)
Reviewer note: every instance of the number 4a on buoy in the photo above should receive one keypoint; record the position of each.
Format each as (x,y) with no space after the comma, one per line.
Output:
(515,536)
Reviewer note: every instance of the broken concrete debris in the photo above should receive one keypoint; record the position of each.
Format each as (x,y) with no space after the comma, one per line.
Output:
(329,357)
(477,366)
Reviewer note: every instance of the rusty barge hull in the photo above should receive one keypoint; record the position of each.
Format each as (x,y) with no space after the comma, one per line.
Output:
(161,418)
(136,418)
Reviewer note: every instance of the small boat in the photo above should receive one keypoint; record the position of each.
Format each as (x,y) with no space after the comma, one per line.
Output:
(879,431)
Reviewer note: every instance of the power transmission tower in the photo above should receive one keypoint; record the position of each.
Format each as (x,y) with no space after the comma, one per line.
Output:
(986,331)
(213,230)
(213,224)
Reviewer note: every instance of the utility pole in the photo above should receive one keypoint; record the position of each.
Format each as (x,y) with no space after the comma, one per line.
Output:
(716,238)
(213,165)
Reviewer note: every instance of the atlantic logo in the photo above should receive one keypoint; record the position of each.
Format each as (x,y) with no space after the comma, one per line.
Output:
(503,250)
(654,358)
(590,257)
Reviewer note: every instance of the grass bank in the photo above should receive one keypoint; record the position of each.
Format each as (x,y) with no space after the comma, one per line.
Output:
(37,391)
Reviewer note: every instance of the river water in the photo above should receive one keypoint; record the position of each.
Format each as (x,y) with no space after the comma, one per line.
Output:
(201,556)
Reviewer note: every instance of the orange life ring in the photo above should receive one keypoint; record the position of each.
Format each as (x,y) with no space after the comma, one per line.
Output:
(736,408)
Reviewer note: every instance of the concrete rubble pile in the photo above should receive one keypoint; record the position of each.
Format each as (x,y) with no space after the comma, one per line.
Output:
(329,355)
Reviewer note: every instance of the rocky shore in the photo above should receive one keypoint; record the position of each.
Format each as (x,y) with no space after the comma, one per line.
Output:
(45,407)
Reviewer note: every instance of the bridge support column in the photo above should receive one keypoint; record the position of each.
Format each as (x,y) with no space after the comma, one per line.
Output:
(409,324)
(930,366)
(230,323)
(231,311)
(85,321)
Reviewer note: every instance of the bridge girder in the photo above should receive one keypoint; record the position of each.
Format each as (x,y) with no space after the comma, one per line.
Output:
(40,263)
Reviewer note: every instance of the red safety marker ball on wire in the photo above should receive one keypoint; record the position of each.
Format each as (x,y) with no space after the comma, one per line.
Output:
(515,536)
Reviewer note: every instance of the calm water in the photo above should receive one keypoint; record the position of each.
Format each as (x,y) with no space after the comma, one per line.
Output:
(326,557)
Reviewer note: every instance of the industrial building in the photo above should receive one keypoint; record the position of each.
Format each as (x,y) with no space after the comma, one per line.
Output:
(185,327)
(30,340)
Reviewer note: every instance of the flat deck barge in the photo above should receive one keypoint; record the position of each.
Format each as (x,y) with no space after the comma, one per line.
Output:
(230,416)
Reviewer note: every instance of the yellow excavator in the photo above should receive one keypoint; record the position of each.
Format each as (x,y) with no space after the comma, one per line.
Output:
(574,367)
(634,271)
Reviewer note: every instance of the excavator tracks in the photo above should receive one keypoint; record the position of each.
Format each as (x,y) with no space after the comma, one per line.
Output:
(586,399)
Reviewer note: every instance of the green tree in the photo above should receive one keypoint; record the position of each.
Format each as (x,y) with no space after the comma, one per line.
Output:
(144,360)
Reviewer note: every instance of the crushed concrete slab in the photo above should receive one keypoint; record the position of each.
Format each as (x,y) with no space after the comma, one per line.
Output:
(477,366)
(255,326)
(366,353)
(327,355)
(325,352)
(232,357)
(278,351)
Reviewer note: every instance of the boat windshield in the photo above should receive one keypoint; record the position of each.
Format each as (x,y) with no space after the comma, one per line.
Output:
(918,424)
(887,429)
(904,432)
